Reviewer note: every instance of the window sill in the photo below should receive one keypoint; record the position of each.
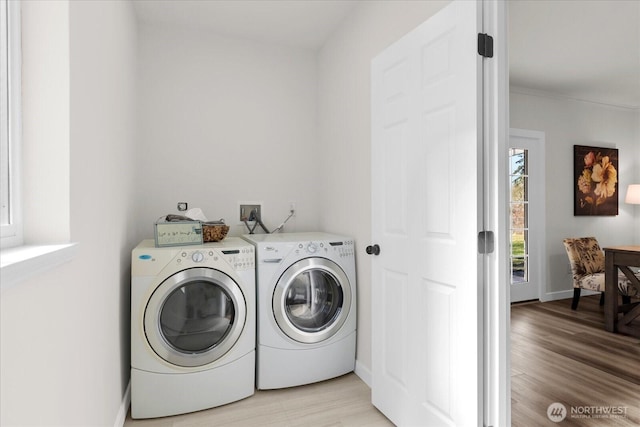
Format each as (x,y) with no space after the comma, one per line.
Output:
(20,263)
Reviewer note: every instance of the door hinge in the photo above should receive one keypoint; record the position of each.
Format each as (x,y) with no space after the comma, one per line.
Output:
(485,45)
(485,242)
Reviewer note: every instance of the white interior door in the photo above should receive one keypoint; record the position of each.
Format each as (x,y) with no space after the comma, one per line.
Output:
(527,214)
(427,213)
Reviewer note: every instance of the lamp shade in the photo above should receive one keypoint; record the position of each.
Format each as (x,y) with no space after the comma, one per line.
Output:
(633,194)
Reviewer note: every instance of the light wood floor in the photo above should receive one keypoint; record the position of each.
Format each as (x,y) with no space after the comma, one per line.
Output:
(565,356)
(343,401)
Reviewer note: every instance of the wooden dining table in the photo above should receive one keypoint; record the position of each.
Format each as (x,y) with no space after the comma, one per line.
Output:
(623,318)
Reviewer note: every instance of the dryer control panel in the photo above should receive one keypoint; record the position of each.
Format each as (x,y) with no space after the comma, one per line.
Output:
(341,248)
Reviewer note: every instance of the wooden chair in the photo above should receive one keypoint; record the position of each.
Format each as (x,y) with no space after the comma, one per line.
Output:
(587,267)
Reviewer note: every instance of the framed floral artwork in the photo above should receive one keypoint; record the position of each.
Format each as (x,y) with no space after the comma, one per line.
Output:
(595,172)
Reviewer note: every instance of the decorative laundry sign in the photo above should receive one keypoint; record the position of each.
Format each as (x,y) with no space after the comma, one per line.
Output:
(178,233)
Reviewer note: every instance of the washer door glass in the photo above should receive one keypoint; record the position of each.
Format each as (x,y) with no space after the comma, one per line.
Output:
(195,316)
(312,300)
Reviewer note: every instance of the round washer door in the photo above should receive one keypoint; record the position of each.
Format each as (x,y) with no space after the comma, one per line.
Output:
(311,300)
(194,317)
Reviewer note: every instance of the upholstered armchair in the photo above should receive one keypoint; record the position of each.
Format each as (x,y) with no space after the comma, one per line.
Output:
(587,266)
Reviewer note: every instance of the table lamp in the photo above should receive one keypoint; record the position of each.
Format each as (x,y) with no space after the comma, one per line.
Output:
(633,194)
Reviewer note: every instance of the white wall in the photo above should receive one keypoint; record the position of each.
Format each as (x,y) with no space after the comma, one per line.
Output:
(64,335)
(636,177)
(566,123)
(344,65)
(222,121)
(45,93)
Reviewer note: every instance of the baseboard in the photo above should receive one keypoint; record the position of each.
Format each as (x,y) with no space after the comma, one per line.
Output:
(363,373)
(554,296)
(124,407)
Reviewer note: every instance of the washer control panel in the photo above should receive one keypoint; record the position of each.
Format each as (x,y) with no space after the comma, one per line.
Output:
(240,258)
(197,256)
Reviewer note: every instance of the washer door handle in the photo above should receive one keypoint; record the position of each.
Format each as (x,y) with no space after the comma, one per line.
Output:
(373,250)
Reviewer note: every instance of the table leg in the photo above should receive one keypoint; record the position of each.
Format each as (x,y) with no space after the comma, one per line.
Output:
(610,293)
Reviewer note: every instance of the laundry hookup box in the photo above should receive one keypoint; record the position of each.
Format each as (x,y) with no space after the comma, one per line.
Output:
(178,233)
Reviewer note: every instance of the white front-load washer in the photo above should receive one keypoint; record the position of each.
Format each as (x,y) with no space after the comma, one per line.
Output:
(306,308)
(192,326)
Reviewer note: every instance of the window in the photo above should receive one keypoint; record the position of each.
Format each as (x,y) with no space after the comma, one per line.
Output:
(519,176)
(527,214)
(10,123)
(41,60)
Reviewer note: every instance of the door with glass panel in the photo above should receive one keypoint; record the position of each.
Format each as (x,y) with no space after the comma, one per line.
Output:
(527,214)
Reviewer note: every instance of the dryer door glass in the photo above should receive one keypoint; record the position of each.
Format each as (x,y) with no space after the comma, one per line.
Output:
(195,317)
(312,300)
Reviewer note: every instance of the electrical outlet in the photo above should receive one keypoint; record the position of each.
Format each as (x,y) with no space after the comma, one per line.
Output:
(249,212)
(292,208)
(182,206)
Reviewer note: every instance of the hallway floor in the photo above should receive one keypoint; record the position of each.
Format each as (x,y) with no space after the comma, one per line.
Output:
(565,356)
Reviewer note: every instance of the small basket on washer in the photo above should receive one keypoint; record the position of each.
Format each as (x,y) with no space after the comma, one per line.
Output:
(214,231)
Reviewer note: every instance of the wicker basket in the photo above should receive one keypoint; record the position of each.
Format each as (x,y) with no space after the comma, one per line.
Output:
(214,232)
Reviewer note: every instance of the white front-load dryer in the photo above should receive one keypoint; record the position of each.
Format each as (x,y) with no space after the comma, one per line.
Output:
(306,308)
(192,326)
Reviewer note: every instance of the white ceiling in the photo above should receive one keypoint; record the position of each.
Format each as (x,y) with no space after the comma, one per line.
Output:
(586,49)
(582,49)
(299,23)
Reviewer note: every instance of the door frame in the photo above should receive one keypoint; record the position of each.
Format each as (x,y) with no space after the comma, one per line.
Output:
(497,299)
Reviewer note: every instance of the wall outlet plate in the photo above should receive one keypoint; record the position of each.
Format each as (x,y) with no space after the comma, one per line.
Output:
(182,206)
(247,214)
